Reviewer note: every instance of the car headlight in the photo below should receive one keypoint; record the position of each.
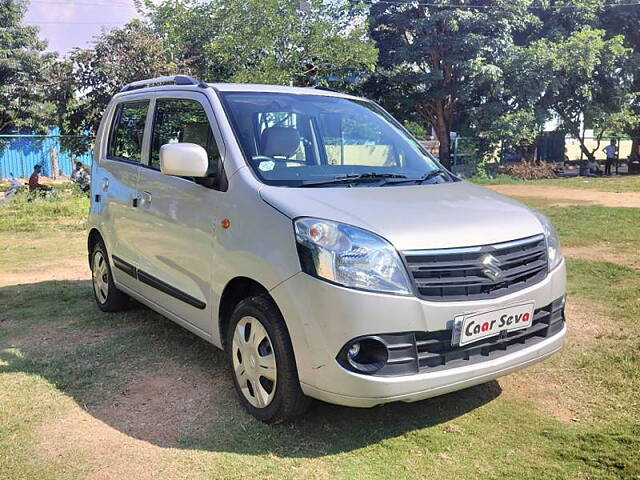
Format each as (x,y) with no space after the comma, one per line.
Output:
(350,256)
(553,245)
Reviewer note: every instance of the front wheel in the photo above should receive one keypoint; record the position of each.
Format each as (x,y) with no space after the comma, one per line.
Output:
(262,362)
(107,296)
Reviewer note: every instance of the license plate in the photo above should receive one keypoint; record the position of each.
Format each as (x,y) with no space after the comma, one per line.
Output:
(476,326)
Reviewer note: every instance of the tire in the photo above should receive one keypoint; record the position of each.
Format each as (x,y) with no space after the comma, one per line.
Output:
(107,296)
(255,318)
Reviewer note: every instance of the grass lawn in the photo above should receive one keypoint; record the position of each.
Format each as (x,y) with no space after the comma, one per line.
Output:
(624,183)
(594,225)
(66,210)
(132,395)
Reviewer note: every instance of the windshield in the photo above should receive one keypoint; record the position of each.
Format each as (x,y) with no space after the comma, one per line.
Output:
(301,140)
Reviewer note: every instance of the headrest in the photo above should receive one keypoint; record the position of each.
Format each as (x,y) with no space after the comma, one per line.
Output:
(197,133)
(279,141)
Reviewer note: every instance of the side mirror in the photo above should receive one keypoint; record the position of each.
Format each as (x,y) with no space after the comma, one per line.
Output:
(184,160)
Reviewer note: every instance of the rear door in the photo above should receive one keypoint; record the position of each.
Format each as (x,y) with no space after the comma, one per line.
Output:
(119,171)
(176,260)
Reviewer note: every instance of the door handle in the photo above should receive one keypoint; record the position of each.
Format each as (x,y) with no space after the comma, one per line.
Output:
(105,184)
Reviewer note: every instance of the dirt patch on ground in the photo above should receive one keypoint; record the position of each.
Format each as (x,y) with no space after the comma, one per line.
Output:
(63,337)
(72,269)
(538,389)
(36,257)
(161,406)
(559,390)
(127,437)
(111,454)
(586,322)
(604,253)
(565,195)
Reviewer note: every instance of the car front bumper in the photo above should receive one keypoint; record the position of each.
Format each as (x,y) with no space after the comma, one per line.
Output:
(322,317)
(425,385)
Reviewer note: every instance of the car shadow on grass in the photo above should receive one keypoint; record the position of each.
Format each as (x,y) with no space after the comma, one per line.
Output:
(152,380)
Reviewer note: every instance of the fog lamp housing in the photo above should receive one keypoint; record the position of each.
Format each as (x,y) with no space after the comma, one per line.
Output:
(365,355)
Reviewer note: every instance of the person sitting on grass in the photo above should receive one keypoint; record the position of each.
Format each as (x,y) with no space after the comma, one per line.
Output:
(81,177)
(34,181)
(594,168)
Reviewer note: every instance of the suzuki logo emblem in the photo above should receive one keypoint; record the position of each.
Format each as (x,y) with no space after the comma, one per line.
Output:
(491,267)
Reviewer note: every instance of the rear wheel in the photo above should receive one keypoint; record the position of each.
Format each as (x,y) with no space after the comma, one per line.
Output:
(107,296)
(262,363)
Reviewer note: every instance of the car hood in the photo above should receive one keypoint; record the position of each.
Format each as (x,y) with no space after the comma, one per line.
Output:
(447,215)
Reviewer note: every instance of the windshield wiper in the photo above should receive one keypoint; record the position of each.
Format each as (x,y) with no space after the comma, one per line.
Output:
(426,177)
(354,178)
(430,175)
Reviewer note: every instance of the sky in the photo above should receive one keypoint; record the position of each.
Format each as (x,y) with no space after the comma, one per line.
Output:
(66,24)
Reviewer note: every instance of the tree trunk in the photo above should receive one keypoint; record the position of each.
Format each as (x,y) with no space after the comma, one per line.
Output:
(54,163)
(583,147)
(588,153)
(635,137)
(437,114)
(444,137)
(444,153)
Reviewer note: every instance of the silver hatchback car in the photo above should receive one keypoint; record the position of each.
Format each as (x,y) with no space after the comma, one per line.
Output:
(310,236)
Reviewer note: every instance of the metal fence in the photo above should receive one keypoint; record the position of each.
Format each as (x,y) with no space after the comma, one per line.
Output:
(56,153)
(465,154)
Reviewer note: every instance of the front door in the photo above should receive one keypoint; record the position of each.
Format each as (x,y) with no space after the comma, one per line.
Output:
(175,266)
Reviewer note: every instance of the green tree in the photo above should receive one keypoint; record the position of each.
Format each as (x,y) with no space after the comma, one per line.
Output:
(584,75)
(625,20)
(23,71)
(518,129)
(186,27)
(440,59)
(561,67)
(89,78)
(266,41)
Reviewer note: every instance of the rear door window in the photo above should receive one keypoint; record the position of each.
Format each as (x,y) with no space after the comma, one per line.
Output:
(127,133)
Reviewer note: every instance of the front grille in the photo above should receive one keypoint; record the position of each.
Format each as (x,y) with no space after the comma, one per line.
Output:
(420,352)
(472,274)
(435,349)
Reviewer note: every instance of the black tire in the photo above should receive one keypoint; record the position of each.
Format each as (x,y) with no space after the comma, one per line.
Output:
(111,300)
(289,402)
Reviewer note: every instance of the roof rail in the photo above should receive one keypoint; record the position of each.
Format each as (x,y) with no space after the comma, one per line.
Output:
(171,80)
(326,89)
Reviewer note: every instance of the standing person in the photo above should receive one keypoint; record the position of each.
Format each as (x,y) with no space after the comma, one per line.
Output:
(611,151)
